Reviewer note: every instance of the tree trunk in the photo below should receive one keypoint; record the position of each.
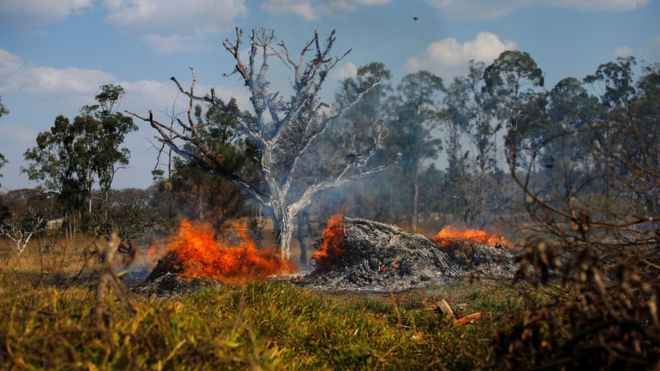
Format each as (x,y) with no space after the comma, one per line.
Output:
(415,201)
(106,197)
(303,223)
(283,222)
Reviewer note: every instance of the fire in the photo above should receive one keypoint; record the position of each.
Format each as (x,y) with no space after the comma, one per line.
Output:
(205,257)
(330,252)
(449,235)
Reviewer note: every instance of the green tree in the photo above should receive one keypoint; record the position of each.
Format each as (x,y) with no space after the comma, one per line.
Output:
(4,211)
(567,157)
(62,160)
(627,135)
(516,83)
(71,155)
(354,133)
(414,111)
(3,111)
(111,130)
(199,193)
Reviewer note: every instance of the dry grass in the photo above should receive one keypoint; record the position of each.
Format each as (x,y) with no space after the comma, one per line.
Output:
(48,322)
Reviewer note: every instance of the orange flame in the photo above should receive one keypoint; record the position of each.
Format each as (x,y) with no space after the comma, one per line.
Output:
(330,252)
(449,236)
(205,257)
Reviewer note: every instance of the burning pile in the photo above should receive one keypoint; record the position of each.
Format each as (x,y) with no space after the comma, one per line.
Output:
(330,250)
(194,253)
(459,237)
(358,254)
(489,254)
(374,256)
(354,254)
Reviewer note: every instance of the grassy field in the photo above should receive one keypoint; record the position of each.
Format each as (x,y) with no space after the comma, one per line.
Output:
(48,322)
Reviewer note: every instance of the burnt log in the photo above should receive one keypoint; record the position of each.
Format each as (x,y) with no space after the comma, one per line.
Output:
(168,264)
(165,280)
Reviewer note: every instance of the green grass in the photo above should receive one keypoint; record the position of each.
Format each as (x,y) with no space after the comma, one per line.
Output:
(264,325)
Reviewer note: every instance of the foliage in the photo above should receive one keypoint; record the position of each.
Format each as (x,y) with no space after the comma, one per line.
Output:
(513,80)
(69,156)
(111,130)
(3,109)
(409,137)
(201,195)
(469,111)
(597,241)
(4,211)
(62,160)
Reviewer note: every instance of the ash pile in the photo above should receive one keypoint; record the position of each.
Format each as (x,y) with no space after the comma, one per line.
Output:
(363,255)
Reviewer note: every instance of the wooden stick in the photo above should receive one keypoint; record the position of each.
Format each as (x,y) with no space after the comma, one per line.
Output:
(445,308)
(467,319)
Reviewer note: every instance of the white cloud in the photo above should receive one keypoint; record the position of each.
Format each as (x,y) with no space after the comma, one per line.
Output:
(623,51)
(175,43)
(345,71)
(309,11)
(78,86)
(39,13)
(302,8)
(16,77)
(66,90)
(171,25)
(494,9)
(449,57)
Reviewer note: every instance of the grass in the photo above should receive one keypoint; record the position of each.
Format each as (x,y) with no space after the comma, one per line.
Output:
(268,325)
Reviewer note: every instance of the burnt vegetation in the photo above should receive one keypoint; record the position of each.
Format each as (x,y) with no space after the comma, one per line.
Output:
(569,173)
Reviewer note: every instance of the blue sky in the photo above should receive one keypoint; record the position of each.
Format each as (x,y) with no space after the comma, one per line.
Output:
(54,54)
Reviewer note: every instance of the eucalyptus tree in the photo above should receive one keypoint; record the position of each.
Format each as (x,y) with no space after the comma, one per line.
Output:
(567,157)
(516,82)
(414,116)
(110,129)
(354,133)
(61,161)
(70,156)
(3,111)
(469,113)
(284,129)
(627,133)
(4,211)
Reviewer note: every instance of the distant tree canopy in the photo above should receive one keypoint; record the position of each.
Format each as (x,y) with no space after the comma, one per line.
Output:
(71,156)
(414,116)
(3,111)
(4,211)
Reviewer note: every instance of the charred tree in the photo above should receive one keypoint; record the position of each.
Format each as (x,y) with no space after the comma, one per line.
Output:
(285,131)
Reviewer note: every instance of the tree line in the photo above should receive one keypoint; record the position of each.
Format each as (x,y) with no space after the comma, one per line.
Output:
(419,153)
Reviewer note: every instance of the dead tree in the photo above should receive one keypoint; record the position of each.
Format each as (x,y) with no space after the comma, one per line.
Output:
(21,234)
(285,131)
